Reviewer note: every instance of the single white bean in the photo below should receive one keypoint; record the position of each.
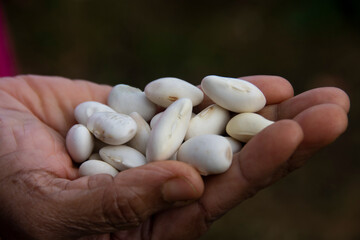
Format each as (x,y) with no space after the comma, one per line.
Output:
(169,132)
(84,110)
(164,91)
(122,157)
(93,167)
(233,94)
(211,120)
(79,143)
(95,156)
(112,128)
(126,99)
(209,153)
(246,125)
(154,120)
(235,144)
(157,117)
(139,141)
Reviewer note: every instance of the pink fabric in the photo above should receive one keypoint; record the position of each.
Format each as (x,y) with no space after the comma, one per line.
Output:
(7,61)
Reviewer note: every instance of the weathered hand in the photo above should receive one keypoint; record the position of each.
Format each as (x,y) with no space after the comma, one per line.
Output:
(41,196)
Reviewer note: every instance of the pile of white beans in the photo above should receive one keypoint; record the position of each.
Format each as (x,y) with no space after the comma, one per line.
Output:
(128,132)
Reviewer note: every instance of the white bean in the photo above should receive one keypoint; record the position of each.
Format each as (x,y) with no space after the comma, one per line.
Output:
(233,94)
(157,117)
(211,120)
(139,141)
(84,110)
(169,132)
(246,125)
(126,99)
(93,167)
(122,157)
(95,156)
(79,143)
(165,91)
(112,128)
(235,144)
(209,153)
(154,120)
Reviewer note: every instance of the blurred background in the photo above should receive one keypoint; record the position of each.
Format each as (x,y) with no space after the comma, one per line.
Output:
(310,43)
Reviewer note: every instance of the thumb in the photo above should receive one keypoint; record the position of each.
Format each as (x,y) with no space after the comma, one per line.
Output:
(109,204)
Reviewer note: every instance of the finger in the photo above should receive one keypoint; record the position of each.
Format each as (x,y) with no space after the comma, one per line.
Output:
(293,106)
(276,89)
(131,197)
(252,168)
(321,124)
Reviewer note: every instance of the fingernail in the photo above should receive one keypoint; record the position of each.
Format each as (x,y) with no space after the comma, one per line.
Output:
(179,189)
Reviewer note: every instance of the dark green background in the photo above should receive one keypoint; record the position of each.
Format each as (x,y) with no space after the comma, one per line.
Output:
(311,43)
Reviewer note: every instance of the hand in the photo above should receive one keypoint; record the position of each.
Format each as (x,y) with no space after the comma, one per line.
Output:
(42,196)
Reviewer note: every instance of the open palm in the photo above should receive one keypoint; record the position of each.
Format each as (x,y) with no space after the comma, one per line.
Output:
(42,196)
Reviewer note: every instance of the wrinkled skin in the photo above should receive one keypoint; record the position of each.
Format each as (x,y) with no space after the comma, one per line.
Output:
(42,196)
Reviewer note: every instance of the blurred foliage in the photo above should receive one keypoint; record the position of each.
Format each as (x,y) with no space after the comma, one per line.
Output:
(311,43)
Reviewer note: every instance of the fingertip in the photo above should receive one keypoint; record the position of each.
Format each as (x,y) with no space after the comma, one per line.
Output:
(340,97)
(313,97)
(293,131)
(182,174)
(179,189)
(269,150)
(286,130)
(322,124)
